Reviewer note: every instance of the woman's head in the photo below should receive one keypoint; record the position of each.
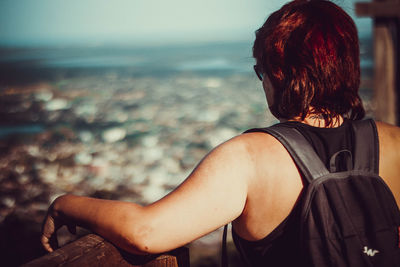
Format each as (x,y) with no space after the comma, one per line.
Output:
(309,51)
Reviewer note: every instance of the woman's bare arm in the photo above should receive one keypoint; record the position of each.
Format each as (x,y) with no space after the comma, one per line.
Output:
(214,194)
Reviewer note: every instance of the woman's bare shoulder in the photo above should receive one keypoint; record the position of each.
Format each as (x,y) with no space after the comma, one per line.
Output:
(259,140)
(258,145)
(388,134)
(267,154)
(257,152)
(389,156)
(386,126)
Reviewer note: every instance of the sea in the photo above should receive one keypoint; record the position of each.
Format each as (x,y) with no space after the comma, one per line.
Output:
(24,65)
(21,64)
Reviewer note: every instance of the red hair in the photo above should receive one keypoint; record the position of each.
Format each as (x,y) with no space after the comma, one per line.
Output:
(310,52)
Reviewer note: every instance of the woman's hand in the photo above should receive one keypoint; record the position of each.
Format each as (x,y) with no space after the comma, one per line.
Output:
(52,222)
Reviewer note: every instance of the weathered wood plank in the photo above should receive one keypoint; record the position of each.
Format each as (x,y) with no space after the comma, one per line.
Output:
(378,9)
(92,250)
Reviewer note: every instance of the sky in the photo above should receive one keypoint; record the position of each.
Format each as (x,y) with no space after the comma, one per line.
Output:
(141,22)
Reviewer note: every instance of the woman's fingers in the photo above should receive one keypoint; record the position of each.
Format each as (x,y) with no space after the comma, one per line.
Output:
(46,243)
(49,235)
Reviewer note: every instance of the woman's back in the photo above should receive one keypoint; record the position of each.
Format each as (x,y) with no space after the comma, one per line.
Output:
(267,230)
(273,192)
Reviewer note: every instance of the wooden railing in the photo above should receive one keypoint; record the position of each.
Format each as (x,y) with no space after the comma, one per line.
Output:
(93,250)
(386,32)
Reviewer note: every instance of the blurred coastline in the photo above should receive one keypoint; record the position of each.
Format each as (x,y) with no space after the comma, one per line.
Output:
(119,123)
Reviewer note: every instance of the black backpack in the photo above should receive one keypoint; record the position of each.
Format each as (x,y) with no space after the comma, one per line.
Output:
(349,216)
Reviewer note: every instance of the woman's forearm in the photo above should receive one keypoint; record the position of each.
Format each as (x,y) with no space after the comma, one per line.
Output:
(122,223)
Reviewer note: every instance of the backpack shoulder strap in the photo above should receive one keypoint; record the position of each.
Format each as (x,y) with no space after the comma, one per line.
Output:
(299,148)
(224,250)
(366,153)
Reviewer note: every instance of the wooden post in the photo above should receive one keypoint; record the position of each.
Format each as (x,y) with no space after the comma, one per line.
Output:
(386,15)
(92,250)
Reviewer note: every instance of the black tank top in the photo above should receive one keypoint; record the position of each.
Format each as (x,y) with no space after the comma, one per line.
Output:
(281,246)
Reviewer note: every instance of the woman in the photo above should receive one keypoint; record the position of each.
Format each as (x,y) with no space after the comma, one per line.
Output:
(307,57)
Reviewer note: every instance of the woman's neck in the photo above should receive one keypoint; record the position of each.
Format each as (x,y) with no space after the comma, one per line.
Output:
(317,120)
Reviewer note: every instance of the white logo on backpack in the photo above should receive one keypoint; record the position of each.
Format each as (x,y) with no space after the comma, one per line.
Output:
(370,252)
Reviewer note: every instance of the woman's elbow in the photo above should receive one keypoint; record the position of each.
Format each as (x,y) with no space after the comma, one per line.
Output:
(142,239)
(135,239)
(141,233)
